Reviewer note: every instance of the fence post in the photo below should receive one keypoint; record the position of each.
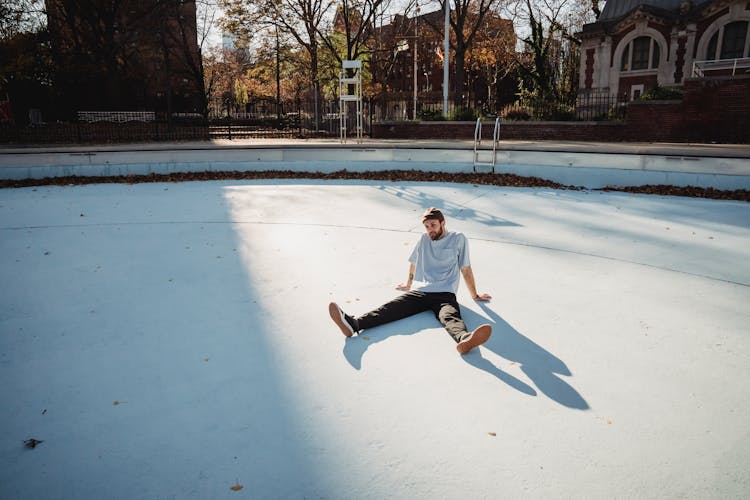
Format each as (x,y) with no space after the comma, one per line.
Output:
(299,117)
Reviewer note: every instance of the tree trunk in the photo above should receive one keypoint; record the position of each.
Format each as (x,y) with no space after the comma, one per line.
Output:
(458,82)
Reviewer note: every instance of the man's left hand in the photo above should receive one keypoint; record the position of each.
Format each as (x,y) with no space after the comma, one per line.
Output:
(483,297)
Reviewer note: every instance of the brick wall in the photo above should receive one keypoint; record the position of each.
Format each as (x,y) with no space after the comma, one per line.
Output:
(654,121)
(716,110)
(536,131)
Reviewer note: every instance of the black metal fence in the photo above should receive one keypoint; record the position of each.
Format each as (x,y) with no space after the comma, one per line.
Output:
(288,119)
(587,107)
(102,132)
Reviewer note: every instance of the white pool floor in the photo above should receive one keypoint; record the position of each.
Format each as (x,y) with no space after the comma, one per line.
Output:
(173,341)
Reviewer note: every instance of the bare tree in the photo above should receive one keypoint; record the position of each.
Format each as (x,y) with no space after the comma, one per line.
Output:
(551,47)
(207,22)
(26,67)
(301,19)
(354,19)
(595,8)
(491,58)
(467,17)
(387,41)
(20,16)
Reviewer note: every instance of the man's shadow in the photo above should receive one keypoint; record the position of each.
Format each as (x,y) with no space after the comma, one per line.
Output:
(541,366)
(355,347)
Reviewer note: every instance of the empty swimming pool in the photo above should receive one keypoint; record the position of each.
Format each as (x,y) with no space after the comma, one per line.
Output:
(575,164)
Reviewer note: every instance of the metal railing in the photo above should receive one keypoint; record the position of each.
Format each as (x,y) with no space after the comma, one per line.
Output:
(286,119)
(701,67)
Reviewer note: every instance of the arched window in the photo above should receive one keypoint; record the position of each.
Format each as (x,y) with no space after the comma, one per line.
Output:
(641,53)
(730,42)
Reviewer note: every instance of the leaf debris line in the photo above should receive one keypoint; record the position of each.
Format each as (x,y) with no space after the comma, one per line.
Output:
(486,179)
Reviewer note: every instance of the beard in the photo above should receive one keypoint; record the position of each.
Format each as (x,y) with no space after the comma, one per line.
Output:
(437,235)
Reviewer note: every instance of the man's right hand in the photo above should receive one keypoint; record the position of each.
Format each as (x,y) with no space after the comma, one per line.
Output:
(405,287)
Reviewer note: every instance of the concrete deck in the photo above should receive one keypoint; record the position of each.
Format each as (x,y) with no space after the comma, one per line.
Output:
(662,148)
(173,341)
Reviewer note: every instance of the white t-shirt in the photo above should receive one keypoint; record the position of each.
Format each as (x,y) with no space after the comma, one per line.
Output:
(438,263)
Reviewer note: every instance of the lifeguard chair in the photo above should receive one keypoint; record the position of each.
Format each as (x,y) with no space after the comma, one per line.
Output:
(350,79)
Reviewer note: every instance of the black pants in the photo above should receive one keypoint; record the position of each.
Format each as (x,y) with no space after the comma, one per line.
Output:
(443,305)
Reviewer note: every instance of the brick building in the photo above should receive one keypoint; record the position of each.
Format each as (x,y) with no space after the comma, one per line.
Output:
(637,44)
(395,68)
(130,55)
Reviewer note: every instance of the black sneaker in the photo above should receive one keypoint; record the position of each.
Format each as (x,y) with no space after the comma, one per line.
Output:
(342,320)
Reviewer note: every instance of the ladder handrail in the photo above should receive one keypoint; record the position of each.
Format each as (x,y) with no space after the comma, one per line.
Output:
(495,138)
(478,141)
(477,134)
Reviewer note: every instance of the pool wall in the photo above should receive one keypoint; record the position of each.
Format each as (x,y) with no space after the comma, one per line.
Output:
(577,168)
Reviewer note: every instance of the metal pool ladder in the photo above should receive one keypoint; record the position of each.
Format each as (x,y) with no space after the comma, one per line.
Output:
(484,162)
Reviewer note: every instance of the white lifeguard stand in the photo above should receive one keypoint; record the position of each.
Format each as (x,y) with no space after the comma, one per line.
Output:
(350,77)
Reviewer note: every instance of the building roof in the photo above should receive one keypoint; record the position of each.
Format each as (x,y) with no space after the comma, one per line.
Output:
(615,9)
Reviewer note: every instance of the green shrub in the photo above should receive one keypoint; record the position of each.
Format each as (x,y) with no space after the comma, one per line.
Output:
(515,112)
(617,112)
(431,115)
(660,93)
(561,113)
(464,115)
